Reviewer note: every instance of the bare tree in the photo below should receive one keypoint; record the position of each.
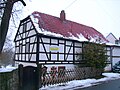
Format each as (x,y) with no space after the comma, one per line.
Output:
(6,11)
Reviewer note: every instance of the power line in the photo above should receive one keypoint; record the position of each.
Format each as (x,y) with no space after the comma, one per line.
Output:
(105,11)
(70,4)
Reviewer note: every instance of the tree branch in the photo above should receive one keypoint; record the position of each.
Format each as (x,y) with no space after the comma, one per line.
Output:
(5,20)
(22,1)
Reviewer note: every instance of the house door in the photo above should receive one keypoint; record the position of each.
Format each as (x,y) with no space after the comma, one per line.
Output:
(29,78)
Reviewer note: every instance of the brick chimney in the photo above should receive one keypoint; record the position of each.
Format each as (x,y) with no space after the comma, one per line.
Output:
(62,15)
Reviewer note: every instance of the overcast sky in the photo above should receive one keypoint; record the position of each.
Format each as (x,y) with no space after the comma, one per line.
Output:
(103,15)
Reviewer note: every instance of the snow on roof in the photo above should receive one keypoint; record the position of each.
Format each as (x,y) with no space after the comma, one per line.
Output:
(111,44)
(60,27)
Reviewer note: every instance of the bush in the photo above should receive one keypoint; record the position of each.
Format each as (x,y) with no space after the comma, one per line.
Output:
(94,55)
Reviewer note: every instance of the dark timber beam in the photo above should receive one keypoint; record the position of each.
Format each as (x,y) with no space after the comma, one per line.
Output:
(5,21)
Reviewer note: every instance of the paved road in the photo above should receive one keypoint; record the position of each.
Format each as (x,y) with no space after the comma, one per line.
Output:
(110,85)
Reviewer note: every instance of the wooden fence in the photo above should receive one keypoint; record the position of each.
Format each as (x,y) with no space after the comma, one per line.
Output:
(54,77)
(9,80)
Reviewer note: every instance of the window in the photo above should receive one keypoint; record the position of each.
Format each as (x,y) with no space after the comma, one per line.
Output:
(27,47)
(116,41)
(20,48)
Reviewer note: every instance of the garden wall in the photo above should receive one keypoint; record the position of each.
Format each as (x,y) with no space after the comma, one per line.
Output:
(9,80)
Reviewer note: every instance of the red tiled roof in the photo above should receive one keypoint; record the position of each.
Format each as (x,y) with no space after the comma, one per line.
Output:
(56,25)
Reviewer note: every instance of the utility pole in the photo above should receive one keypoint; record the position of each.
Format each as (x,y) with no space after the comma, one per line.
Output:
(5,20)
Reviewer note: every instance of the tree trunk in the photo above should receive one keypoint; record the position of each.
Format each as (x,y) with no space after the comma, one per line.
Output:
(5,21)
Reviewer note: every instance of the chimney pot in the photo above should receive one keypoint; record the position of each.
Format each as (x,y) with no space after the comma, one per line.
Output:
(62,15)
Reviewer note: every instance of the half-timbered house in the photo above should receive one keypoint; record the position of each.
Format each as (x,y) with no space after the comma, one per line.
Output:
(46,39)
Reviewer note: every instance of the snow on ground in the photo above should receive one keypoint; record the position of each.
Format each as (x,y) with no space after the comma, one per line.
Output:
(82,83)
(8,68)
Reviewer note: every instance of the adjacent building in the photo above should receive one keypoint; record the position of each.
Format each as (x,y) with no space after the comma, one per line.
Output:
(112,39)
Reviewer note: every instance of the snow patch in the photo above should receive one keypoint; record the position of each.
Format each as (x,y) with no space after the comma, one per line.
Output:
(8,68)
(111,75)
